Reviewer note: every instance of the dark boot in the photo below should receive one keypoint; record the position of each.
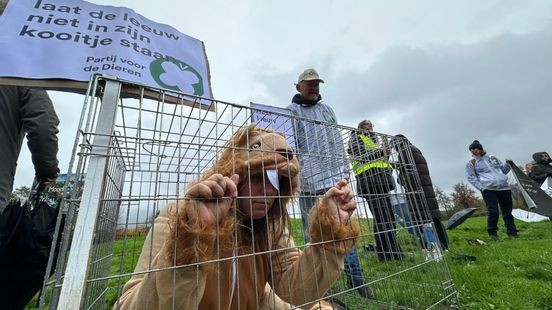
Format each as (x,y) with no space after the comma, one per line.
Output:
(370,247)
(361,287)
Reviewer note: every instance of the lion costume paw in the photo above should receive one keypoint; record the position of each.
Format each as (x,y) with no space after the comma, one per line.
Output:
(191,243)
(334,236)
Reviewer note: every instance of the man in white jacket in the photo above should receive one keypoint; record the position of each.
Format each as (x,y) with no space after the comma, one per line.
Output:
(322,157)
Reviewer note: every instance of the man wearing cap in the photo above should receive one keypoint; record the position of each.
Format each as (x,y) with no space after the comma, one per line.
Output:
(322,158)
(488,174)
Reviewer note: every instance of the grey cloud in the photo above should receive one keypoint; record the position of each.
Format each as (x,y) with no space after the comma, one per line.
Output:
(496,90)
(443,96)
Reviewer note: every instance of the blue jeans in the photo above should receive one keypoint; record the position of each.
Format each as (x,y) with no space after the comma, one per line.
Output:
(352,264)
(402,215)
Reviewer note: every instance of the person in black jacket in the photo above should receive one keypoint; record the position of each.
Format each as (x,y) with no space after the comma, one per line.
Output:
(423,207)
(26,111)
(542,168)
(374,182)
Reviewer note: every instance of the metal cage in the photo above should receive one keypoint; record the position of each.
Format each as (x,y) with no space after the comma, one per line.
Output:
(137,149)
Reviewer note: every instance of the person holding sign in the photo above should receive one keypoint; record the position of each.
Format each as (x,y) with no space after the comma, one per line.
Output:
(488,174)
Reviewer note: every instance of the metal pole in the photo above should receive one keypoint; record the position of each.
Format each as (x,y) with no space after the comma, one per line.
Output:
(74,283)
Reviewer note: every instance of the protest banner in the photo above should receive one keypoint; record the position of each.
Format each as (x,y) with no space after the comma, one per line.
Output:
(274,118)
(58,40)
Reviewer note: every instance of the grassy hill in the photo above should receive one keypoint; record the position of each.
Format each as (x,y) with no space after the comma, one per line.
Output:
(507,274)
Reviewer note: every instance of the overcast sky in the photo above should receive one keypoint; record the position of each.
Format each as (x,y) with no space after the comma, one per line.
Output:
(443,73)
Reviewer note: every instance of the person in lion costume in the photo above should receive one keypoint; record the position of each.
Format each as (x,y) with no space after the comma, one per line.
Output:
(226,243)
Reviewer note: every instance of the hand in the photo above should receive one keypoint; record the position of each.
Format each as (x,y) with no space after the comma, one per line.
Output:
(339,201)
(41,184)
(48,181)
(509,161)
(213,198)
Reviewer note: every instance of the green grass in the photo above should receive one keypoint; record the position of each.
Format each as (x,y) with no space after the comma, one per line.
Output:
(507,274)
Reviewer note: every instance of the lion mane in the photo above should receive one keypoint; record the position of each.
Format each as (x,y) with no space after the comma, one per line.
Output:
(250,151)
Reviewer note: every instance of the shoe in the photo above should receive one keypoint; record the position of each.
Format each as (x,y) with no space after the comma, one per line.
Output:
(479,241)
(333,303)
(361,287)
(494,237)
(516,236)
(434,255)
(365,292)
(382,257)
(464,257)
(371,247)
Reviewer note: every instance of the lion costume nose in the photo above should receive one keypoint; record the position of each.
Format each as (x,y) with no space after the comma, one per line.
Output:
(286,153)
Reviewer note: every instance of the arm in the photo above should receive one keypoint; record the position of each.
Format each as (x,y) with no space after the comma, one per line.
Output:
(40,122)
(472,177)
(154,289)
(301,277)
(506,166)
(182,235)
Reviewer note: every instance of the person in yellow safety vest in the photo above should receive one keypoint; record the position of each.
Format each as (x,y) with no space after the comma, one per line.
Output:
(374,182)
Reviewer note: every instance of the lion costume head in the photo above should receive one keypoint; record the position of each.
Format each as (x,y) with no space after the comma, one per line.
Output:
(253,150)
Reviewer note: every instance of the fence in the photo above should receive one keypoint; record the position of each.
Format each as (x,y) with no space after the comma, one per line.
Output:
(135,155)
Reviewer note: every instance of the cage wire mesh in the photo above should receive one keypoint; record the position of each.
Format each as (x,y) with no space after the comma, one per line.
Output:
(152,246)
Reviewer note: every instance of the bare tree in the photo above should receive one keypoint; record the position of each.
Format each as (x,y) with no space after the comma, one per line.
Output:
(21,193)
(464,196)
(528,166)
(444,200)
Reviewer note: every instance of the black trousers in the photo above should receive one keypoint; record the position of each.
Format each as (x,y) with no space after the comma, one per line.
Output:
(492,200)
(441,233)
(387,247)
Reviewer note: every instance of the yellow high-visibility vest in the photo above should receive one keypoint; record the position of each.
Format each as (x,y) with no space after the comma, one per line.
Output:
(359,168)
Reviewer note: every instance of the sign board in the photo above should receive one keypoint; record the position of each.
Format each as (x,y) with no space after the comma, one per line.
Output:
(73,39)
(541,200)
(275,119)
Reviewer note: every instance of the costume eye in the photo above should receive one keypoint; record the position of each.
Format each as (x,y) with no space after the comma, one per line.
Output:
(256,146)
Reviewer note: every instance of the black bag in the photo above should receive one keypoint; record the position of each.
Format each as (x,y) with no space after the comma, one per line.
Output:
(26,234)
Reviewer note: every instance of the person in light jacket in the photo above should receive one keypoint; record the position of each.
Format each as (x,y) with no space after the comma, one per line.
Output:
(488,175)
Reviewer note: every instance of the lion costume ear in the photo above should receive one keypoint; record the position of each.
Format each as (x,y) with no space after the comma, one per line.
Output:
(244,135)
